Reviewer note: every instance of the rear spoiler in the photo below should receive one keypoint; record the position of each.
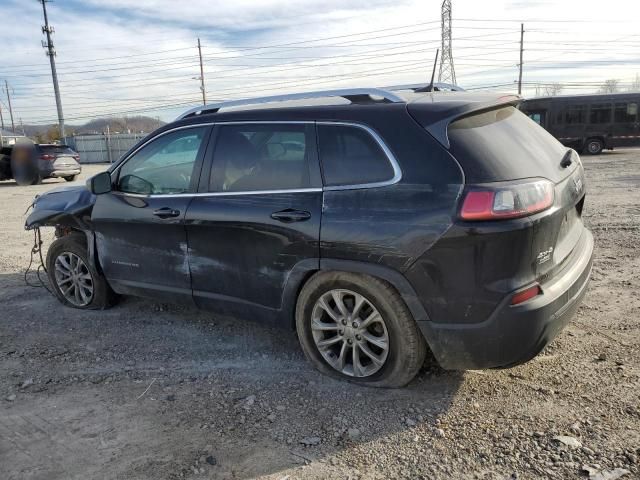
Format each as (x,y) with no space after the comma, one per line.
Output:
(439,128)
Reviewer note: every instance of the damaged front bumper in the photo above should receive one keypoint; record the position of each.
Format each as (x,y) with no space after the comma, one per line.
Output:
(69,206)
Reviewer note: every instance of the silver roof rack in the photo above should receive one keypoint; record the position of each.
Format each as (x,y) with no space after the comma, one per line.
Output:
(355,95)
(419,86)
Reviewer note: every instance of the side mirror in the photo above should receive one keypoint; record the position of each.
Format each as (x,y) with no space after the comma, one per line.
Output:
(100,183)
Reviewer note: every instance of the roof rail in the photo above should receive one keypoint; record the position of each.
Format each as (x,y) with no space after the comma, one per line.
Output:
(355,95)
(420,86)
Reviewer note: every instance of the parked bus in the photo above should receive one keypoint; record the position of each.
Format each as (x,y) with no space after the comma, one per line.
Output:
(589,123)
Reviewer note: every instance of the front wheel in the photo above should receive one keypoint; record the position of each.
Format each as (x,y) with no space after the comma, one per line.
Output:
(358,328)
(75,281)
(594,146)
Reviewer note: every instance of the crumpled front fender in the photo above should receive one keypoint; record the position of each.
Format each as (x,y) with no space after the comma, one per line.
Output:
(67,206)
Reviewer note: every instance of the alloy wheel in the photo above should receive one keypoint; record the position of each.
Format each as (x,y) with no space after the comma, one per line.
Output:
(73,279)
(350,333)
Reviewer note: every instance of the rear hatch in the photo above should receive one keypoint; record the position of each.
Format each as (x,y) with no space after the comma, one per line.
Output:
(62,156)
(500,148)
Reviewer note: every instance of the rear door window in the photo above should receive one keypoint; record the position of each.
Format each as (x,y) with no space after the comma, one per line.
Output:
(258,157)
(350,155)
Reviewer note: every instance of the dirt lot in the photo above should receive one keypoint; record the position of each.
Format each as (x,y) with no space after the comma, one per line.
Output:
(153,391)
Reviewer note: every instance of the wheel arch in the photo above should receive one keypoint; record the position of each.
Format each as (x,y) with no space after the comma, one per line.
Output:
(307,268)
(89,239)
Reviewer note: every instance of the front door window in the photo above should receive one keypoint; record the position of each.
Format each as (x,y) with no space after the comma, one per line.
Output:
(164,166)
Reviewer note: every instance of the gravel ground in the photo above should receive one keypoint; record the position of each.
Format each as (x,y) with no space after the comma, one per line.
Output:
(154,391)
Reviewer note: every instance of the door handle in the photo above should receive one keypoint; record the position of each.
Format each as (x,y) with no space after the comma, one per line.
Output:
(166,212)
(290,215)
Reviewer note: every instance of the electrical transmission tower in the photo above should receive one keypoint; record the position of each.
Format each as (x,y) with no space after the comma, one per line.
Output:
(447,72)
(51,52)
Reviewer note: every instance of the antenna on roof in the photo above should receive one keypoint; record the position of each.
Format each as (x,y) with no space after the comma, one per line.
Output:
(429,88)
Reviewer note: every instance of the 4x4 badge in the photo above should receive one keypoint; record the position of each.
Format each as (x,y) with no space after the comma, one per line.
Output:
(544,256)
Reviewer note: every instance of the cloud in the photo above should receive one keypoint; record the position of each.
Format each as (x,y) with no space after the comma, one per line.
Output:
(130,56)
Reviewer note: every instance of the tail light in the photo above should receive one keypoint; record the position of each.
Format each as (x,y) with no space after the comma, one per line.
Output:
(507,201)
(76,157)
(46,156)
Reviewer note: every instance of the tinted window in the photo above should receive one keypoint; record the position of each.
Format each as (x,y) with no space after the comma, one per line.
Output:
(261,157)
(351,156)
(600,113)
(536,117)
(625,112)
(503,144)
(575,114)
(163,166)
(57,150)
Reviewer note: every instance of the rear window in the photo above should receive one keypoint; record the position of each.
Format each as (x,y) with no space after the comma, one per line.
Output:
(504,144)
(57,149)
(351,156)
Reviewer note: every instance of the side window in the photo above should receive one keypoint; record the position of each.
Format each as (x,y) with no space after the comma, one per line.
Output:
(536,117)
(256,157)
(163,166)
(625,112)
(558,118)
(351,156)
(600,113)
(575,115)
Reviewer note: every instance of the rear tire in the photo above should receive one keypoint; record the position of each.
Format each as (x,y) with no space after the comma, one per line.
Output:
(72,178)
(74,279)
(594,146)
(390,349)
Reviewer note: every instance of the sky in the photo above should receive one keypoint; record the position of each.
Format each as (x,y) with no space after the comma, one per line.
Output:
(126,57)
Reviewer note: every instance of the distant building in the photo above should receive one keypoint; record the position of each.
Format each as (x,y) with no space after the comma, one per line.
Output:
(11,138)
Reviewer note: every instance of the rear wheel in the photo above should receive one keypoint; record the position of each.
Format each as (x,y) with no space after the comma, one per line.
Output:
(357,328)
(71,178)
(594,146)
(75,281)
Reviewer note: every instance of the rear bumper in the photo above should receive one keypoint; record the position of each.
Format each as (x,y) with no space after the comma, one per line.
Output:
(64,173)
(514,334)
(58,169)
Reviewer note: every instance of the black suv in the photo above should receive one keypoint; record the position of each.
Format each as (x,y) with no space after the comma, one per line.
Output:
(379,224)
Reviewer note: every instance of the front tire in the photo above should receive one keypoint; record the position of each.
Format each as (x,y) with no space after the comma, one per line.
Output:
(358,328)
(74,279)
(594,146)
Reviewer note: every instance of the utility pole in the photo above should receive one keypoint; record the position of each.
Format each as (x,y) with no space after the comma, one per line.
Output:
(6,89)
(521,54)
(204,94)
(51,52)
(1,119)
(22,127)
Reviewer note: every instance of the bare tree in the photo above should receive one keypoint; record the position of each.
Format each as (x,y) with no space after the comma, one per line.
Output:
(610,86)
(635,84)
(550,90)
